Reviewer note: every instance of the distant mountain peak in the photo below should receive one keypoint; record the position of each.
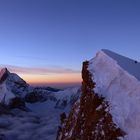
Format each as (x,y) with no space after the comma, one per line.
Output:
(11,85)
(3,74)
(4,70)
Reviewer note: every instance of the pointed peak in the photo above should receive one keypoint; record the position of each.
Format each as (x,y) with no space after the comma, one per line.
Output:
(3,74)
(4,69)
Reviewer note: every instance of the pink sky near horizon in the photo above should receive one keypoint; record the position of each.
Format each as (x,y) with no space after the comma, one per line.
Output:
(53,79)
(50,76)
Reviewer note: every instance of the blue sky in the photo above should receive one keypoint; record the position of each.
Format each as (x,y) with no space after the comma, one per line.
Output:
(63,33)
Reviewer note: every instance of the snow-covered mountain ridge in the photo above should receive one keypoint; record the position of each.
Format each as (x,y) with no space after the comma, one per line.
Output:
(28,112)
(130,65)
(120,88)
(11,85)
(111,94)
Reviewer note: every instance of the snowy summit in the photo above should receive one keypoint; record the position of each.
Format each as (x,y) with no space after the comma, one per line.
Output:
(109,107)
(117,79)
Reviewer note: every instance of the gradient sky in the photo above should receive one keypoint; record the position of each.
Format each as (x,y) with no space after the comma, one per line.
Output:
(46,41)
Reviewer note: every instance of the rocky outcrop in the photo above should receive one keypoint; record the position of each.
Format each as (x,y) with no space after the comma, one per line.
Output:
(3,75)
(90,118)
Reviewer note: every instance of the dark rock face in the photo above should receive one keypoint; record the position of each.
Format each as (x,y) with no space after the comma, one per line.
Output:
(39,96)
(3,75)
(90,118)
(17,103)
(33,97)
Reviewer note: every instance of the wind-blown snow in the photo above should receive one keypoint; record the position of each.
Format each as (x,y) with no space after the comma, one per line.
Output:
(120,89)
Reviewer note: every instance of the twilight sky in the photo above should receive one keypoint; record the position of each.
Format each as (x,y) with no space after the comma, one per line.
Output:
(46,41)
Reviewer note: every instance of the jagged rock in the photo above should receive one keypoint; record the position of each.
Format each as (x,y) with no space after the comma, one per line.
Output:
(33,97)
(39,96)
(3,75)
(90,118)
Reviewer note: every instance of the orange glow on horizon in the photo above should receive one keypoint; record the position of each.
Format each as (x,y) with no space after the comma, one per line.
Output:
(52,78)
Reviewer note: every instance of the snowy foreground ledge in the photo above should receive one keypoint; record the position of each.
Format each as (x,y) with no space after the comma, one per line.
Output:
(121,89)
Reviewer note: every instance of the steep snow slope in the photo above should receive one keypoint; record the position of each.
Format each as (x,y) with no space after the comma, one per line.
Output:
(115,78)
(131,66)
